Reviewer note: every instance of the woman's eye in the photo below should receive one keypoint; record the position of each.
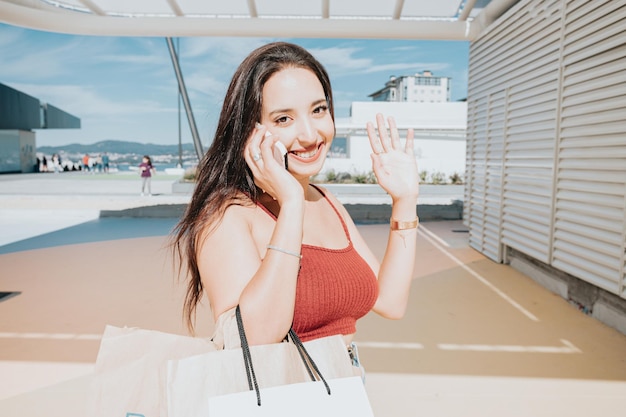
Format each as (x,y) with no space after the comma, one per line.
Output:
(320,109)
(282,120)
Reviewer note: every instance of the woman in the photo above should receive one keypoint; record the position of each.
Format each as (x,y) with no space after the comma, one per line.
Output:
(146,169)
(262,237)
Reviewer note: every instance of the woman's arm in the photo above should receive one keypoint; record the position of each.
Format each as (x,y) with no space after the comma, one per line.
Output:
(395,272)
(235,272)
(396,171)
(238,268)
(396,269)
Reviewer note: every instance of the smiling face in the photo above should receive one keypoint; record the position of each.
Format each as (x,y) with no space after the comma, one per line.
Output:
(295,109)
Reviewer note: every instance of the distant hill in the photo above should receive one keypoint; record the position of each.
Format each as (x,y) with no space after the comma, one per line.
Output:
(117,146)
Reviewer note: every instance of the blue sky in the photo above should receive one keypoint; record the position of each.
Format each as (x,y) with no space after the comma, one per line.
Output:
(124,88)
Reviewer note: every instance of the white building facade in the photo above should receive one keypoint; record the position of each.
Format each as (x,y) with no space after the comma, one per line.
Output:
(419,88)
(439,141)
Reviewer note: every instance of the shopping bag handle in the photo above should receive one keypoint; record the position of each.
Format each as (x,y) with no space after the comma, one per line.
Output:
(309,364)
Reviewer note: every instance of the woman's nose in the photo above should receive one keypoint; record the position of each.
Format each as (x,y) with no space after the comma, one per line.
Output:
(306,130)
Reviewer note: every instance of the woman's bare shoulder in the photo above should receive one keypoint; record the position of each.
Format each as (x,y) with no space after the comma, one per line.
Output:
(228,257)
(237,215)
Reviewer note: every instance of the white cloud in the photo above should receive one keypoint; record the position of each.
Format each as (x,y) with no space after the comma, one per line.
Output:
(340,60)
(229,50)
(413,66)
(204,83)
(43,63)
(85,102)
(134,59)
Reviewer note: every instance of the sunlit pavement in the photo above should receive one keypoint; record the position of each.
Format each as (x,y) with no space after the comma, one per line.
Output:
(479,338)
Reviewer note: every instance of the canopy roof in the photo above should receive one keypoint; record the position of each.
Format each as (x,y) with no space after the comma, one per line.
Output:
(382,19)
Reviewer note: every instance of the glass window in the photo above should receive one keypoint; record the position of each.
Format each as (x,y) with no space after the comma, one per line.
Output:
(339,148)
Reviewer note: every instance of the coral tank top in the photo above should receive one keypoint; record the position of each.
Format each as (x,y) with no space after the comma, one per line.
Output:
(335,288)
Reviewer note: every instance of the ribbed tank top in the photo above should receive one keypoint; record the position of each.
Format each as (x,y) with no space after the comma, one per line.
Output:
(335,288)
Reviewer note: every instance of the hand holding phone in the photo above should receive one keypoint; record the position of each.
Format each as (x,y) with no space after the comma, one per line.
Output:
(280,153)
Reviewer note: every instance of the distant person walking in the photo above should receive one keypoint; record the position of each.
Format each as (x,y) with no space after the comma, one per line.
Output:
(146,169)
(98,163)
(86,162)
(105,162)
(56,163)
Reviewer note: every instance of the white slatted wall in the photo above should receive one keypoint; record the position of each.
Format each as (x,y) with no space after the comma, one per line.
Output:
(484,157)
(476,152)
(546,151)
(591,169)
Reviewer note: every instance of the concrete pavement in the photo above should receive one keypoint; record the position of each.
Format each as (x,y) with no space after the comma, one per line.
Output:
(478,339)
(42,203)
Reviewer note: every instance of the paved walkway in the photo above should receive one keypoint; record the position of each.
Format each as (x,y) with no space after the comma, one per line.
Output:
(42,203)
(33,204)
(479,338)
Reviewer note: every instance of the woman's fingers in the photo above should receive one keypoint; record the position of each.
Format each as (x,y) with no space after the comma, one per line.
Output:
(382,133)
(377,147)
(386,140)
(267,141)
(410,144)
(254,145)
(395,136)
(260,145)
(259,153)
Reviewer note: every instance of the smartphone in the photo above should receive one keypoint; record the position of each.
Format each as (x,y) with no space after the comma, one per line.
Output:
(280,153)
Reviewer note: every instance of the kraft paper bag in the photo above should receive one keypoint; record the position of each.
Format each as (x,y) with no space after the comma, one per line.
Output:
(130,375)
(131,371)
(309,399)
(191,380)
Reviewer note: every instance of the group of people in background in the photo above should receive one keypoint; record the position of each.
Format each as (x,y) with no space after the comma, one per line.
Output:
(99,163)
(95,164)
(54,164)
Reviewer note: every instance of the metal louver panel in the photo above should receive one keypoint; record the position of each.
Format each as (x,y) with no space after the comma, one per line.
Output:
(476,175)
(546,161)
(590,207)
(523,56)
(493,174)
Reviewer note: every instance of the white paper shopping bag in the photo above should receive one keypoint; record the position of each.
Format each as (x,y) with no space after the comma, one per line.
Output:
(192,379)
(308,399)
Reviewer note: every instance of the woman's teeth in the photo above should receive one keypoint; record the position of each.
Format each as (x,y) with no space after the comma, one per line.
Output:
(305,155)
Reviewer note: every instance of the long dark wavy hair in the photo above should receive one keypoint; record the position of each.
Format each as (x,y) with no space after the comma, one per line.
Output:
(223,177)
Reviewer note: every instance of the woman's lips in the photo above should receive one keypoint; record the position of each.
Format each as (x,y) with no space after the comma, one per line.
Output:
(309,155)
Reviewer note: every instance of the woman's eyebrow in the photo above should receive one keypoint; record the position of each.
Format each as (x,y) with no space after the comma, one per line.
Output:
(318,102)
(315,103)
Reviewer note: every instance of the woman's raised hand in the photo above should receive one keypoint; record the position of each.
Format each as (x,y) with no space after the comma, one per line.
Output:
(394,165)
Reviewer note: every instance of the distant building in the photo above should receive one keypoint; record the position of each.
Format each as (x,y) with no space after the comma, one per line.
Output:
(418,88)
(420,102)
(20,115)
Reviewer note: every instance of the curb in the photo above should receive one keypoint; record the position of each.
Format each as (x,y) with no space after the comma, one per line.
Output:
(159,211)
(360,213)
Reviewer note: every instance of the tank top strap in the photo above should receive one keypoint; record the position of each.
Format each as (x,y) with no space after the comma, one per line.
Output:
(343,223)
(265,209)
